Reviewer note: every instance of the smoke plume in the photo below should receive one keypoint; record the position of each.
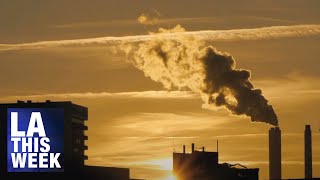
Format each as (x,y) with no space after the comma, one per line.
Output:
(186,62)
(150,18)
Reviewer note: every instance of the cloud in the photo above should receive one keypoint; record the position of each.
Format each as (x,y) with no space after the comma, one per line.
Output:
(272,32)
(246,136)
(267,162)
(141,94)
(295,86)
(95,24)
(167,124)
(241,136)
(302,92)
(161,164)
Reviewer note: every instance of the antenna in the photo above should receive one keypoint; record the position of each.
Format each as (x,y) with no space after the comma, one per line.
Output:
(218,150)
(217,145)
(173,143)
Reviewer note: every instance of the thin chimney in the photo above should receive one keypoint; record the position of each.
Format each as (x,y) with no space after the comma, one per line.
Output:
(192,147)
(184,149)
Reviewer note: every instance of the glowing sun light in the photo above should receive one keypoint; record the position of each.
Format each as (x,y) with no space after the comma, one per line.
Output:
(170,177)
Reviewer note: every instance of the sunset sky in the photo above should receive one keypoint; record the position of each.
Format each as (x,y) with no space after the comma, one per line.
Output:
(136,122)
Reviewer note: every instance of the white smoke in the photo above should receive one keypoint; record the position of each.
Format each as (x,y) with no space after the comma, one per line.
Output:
(150,18)
(187,62)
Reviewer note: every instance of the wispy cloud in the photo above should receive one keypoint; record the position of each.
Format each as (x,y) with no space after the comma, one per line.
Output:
(155,18)
(142,19)
(161,164)
(138,94)
(94,24)
(267,162)
(272,32)
(241,136)
(294,86)
(302,92)
(167,123)
(262,135)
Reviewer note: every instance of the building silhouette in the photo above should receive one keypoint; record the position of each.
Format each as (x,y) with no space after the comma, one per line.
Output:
(203,165)
(275,153)
(307,152)
(73,157)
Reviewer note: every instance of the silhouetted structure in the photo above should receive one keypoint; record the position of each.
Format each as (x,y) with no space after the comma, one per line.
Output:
(275,153)
(205,166)
(275,150)
(74,145)
(307,153)
(79,115)
(303,179)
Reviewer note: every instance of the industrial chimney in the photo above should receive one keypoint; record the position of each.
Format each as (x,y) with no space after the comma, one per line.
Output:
(275,153)
(307,153)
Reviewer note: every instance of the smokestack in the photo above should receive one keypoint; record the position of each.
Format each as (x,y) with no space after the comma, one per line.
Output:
(307,153)
(275,153)
(192,147)
(184,149)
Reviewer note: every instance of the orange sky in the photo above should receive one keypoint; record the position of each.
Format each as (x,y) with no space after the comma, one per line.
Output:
(135,122)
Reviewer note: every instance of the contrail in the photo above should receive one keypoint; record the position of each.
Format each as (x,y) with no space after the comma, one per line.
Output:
(134,94)
(273,32)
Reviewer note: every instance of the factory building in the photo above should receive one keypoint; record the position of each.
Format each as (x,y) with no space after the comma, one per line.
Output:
(205,165)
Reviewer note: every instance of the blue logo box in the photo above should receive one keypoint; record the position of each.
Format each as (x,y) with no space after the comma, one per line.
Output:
(35,140)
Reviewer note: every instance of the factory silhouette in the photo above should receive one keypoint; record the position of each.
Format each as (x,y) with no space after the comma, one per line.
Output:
(205,165)
(196,165)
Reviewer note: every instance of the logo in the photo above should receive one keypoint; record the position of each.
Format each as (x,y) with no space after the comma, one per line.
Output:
(35,140)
